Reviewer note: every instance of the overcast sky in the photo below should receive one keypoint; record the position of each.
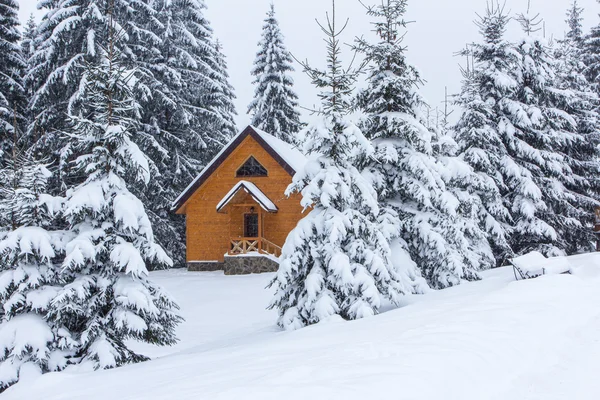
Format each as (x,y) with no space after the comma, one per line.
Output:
(441,28)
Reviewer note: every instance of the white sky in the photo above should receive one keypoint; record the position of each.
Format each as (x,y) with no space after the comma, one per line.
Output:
(441,28)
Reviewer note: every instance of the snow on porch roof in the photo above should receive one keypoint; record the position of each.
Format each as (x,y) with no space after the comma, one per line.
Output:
(288,156)
(254,191)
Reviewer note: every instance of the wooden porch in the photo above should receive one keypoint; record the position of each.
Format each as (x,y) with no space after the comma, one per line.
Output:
(247,208)
(240,246)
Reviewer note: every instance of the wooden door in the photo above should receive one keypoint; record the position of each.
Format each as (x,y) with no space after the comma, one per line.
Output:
(251,226)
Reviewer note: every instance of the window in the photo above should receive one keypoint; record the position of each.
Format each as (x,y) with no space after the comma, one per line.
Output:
(251,168)
(251,225)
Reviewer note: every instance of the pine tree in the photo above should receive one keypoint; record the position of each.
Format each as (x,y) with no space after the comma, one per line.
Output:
(571,93)
(337,261)
(189,118)
(519,131)
(531,154)
(174,132)
(182,85)
(109,297)
(66,36)
(197,97)
(574,22)
(548,213)
(29,37)
(274,108)
(12,65)
(31,342)
(28,47)
(591,57)
(405,169)
(219,100)
(487,84)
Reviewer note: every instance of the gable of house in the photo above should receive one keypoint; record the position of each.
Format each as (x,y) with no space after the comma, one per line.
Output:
(220,202)
(288,157)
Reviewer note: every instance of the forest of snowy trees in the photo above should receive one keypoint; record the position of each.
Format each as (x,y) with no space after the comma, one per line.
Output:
(110,108)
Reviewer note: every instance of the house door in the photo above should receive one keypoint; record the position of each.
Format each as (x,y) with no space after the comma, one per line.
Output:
(251,226)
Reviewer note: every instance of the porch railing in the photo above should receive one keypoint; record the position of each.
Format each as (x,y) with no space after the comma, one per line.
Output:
(254,245)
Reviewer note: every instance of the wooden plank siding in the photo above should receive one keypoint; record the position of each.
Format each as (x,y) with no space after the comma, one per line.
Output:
(208,233)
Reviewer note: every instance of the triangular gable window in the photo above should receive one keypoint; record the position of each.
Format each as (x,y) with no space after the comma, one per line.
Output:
(251,168)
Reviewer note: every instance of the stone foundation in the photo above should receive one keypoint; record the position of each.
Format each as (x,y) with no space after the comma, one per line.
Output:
(243,265)
(205,266)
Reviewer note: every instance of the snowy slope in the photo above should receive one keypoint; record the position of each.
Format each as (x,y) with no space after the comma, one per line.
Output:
(495,339)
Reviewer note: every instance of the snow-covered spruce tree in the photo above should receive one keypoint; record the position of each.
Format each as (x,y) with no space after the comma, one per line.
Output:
(68,37)
(171,45)
(575,23)
(572,94)
(109,297)
(190,116)
(29,38)
(405,169)
(28,46)
(175,133)
(198,108)
(31,343)
(12,66)
(337,261)
(488,82)
(465,185)
(274,108)
(536,167)
(547,213)
(591,57)
(571,76)
(219,100)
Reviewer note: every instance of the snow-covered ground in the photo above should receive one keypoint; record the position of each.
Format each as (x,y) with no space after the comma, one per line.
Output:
(494,339)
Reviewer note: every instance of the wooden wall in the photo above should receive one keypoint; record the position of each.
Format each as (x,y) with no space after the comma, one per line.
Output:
(208,232)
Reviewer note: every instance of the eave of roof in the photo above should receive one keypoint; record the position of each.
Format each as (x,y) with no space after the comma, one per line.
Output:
(257,194)
(222,156)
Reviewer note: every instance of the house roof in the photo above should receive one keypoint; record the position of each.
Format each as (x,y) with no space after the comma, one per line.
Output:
(288,156)
(254,191)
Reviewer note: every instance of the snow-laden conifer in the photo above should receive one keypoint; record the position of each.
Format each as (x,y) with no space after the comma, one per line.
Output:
(548,207)
(489,80)
(274,107)
(591,57)
(520,132)
(31,342)
(219,100)
(465,185)
(68,36)
(180,128)
(535,165)
(571,93)
(405,169)
(29,38)
(186,113)
(193,94)
(337,261)
(12,67)
(575,24)
(109,298)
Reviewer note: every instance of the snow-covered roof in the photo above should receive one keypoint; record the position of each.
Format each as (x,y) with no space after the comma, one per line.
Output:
(254,191)
(289,153)
(288,156)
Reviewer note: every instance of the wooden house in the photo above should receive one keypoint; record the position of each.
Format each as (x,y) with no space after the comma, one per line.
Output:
(237,213)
